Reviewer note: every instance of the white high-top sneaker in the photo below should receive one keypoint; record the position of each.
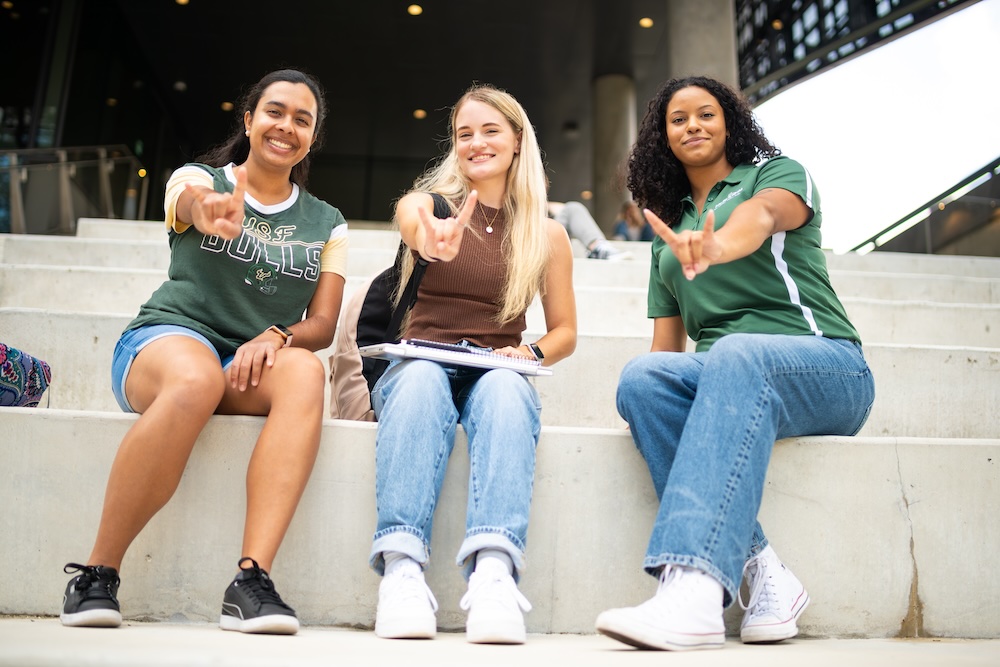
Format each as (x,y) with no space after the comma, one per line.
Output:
(684,615)
(777,599)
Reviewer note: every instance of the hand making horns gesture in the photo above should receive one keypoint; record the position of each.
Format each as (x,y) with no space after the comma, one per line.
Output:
(443,236)
(696,250)
(219,213)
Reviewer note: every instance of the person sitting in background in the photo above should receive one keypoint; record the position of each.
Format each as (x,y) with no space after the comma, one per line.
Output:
(632,226)
(580,225)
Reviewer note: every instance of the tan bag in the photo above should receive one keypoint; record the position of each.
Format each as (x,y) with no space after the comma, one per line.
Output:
(349,395)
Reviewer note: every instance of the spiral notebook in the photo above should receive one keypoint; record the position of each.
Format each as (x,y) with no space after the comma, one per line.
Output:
(452,355)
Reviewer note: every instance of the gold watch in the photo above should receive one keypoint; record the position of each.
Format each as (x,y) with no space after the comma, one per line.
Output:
(282,331)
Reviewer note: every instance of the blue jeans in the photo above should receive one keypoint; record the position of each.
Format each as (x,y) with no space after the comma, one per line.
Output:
(706,423)
(418,404)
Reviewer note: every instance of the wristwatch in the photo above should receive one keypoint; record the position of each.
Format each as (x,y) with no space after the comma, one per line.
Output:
(282,331)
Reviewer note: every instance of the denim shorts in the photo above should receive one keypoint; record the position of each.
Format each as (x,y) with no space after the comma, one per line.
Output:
(132,342)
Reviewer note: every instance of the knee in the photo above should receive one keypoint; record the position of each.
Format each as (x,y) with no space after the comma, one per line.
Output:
(300,370)
(504,386)
(195,387)
(634,377)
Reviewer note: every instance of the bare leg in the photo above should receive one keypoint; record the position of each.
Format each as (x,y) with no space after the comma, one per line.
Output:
(176,384)
(290,393)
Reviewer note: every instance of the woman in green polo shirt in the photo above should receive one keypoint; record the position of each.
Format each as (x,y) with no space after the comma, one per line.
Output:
(738,268)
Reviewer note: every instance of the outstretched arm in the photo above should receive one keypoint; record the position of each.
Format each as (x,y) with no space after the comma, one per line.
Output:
(750,224)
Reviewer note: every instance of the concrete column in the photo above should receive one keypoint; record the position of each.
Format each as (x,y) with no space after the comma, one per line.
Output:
(701,40)
(614,134)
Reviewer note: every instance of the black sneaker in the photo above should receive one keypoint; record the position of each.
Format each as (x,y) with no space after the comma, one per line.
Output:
(252,605)
(90,599)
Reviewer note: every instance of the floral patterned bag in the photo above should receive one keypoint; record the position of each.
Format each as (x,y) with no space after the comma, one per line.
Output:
(23,378)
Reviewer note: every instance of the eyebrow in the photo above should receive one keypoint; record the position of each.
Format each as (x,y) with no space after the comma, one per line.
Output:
(701,108)
(276,103)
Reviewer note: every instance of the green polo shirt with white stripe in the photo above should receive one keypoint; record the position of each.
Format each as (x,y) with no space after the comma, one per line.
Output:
(781,288)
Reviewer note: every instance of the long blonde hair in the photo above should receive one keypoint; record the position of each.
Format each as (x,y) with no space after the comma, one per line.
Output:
(525,244)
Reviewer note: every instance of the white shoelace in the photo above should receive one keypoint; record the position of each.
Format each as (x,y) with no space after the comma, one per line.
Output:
(410,589)
(494,586)
(763,595)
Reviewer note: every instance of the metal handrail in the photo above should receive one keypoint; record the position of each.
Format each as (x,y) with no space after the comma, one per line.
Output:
(925,210)
(20,163)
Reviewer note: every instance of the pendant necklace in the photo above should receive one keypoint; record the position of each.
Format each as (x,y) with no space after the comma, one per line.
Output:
(489,223)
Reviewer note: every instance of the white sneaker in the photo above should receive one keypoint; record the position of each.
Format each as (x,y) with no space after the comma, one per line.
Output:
(604,250)
(406,605)
(777,599)
(495,606)
(684,615)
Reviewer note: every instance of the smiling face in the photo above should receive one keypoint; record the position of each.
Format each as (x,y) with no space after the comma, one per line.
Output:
(282,127)
(485,142)
(696,128)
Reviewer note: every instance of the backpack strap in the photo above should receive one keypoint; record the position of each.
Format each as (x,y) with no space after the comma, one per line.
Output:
(409,298)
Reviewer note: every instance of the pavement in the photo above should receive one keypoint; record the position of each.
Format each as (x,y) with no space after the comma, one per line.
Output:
(37,642)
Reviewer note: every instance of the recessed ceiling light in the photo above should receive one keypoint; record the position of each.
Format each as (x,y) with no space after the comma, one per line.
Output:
(227,106)
(180,86)
(777,24)
(182,2)
(586,195)
(646,22)
(419,114)
(111,101)
(414,10)
(6,4)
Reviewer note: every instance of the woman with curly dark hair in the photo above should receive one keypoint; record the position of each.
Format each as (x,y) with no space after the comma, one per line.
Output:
(775,357)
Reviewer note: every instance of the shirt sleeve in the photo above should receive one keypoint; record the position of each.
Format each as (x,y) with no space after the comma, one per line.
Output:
(175,186)
(333,259)
(787,174)
(660,302)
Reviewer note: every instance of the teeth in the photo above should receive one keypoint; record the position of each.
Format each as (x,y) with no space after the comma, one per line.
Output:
(279,144)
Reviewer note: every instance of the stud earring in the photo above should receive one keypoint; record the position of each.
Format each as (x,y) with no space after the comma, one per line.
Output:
(247,133)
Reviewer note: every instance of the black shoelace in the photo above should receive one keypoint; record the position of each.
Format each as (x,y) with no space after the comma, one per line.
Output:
(259,585)
(95,582)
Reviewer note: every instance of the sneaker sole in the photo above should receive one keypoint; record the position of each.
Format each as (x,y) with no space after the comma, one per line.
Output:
(95,618)
(276,624)
(652,638)
(494,633)
(775,632)
(406,628)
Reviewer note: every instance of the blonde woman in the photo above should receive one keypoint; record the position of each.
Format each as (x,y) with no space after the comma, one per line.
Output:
(486,265)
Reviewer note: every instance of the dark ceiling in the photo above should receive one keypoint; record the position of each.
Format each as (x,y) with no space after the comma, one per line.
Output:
(379,64)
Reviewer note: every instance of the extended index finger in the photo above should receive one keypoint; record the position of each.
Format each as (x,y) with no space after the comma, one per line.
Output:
(239,191)
(661,228)
(467,208)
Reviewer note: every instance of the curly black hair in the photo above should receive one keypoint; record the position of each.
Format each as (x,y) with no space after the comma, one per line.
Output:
(236,148)
(656,178)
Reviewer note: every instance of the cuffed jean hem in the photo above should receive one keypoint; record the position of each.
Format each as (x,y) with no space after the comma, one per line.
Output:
(653,565)
(404,539)
(490,538)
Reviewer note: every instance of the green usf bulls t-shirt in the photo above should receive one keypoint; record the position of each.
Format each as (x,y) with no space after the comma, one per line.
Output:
(232,290)
(781,288)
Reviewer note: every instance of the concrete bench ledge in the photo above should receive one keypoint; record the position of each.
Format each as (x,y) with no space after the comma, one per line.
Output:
(884,532)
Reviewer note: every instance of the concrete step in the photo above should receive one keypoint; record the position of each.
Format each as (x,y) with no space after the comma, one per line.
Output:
(891,262)
(600,310)
(43,641)
(922,390)
(904,533)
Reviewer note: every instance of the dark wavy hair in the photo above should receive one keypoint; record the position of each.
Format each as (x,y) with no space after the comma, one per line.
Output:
(237,147)
(656,178)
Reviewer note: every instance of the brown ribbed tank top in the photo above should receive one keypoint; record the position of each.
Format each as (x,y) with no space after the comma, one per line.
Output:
(460,299)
